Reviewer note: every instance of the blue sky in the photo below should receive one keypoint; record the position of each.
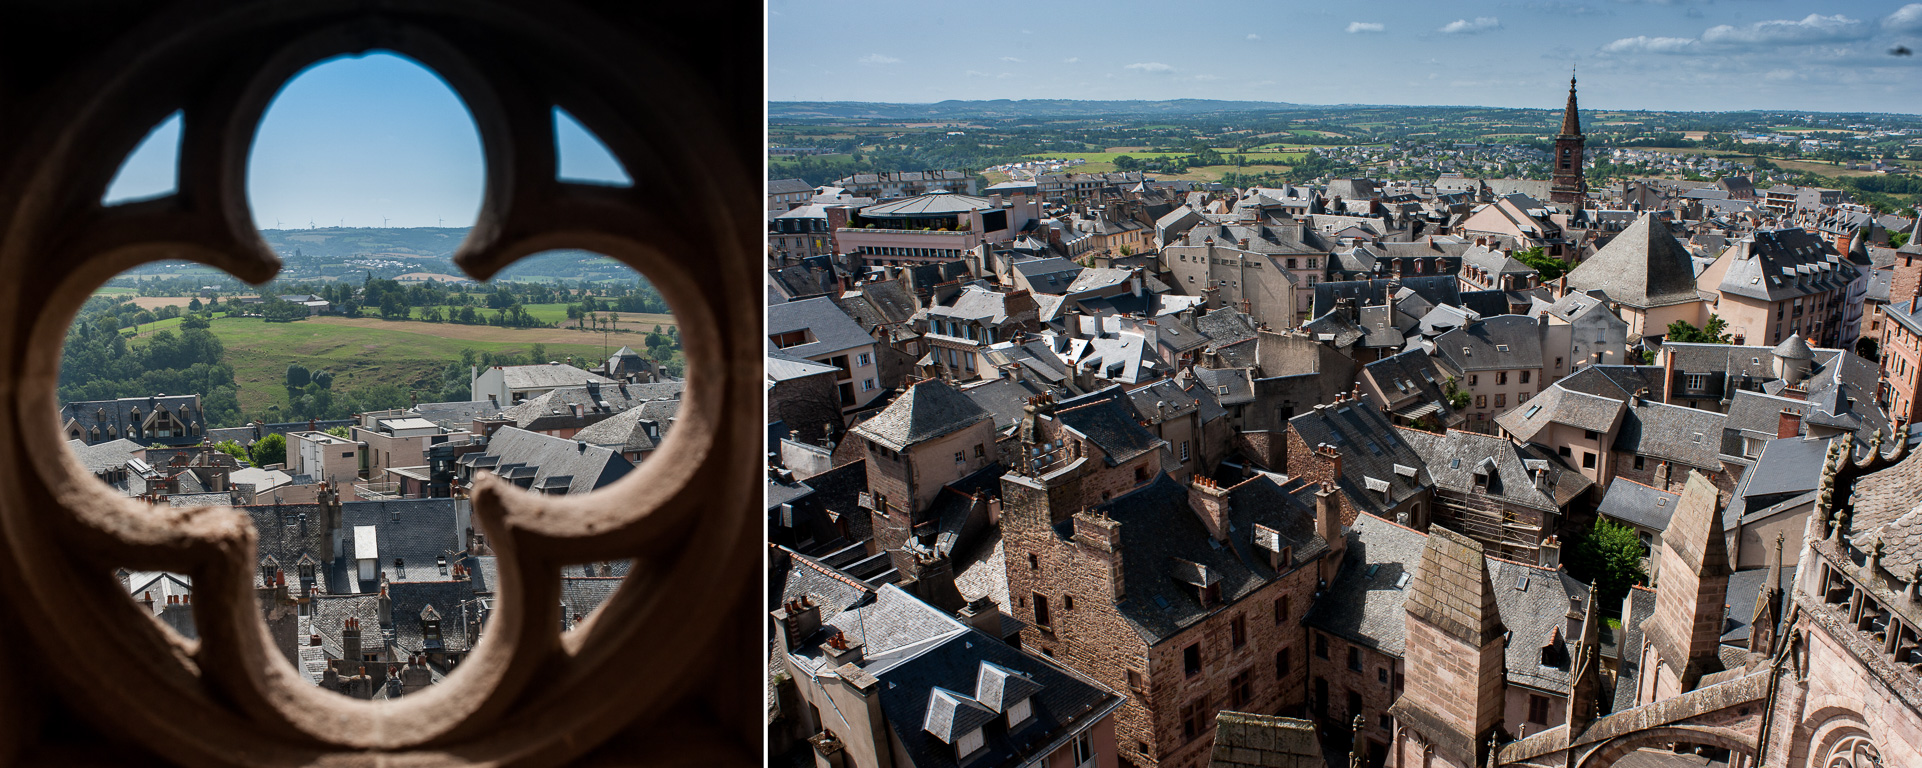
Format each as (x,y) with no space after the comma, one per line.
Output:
(1631,54)
(361,141)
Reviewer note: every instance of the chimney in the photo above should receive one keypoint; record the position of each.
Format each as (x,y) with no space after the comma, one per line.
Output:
(799,618)
(1331,460)
(350,640)
(1210,502)
(1102,536)
(1789,424)
(1328,527)
(1551,555)
(841,649)
(1668,377)
(982,614)
(386,607)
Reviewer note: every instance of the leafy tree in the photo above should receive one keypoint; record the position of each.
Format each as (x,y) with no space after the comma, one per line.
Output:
(1898,239)
(192,322)
(1457,399)
(231,448)
(298,376)
(1869,348)
(1610,555)
(340,432)
(1549,266)
(271,449)
(539,353)
(193,306)
(324,379)
(1714,332)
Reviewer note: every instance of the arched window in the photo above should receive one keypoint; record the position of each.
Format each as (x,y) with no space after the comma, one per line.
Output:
(674,118)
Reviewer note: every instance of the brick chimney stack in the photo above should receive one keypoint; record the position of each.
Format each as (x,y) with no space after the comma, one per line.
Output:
(1328,527)
(1102,537)
(1789,424)
(1210,502)
(799,618)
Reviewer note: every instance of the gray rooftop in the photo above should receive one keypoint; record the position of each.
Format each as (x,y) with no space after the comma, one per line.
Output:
(925,411)
(1643,267)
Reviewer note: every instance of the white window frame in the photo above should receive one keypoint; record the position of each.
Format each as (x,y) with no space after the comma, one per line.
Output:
(867,385)
(1184,450)
(1019,712)
(864,360)
(969,743)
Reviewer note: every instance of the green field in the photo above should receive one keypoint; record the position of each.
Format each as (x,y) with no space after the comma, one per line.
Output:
(364,352)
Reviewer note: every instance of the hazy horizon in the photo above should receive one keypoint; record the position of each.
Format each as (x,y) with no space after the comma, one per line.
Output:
(1656,55)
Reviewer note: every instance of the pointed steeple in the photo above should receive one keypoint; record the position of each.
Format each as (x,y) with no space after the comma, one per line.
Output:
(1585,688)
(1686,629)
(1768,599)
(1571,123)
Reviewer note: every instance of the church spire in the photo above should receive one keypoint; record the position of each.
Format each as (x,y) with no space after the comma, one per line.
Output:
(1571,123)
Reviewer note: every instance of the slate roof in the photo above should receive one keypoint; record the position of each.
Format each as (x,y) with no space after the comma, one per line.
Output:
(1774,265)
(1672,433)
(1231,386)
(1616,382)
(1163,538)
(583,594)
(933,698)
(1561,406)
(1642,505)
(1643,267)
(102,457)
(788,186)
(555,463)
(414,531)
(1503,342)
(286,533)
(1784,477)
(927,410)
(1365,604)
(1534,602)
(1410,382)
(831,589)
(557,409)
(1004,399)
(450,599)
(1113,426)
(1370,450)
(330,612)
(548,376)
(1457,459)
(833,330)
(1744,588)
(132,417)
(1436,289)
(627,431)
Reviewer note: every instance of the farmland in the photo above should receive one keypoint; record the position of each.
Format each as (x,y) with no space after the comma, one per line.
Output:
(365,352)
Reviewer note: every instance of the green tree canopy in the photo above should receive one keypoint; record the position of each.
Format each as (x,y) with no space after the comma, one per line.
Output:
(1549,266)
(1610,555)
(271,449)
(231,448)
(298,376)
(1714,332)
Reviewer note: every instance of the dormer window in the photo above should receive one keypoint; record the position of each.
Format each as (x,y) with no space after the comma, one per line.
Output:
(970,743)
(1019,713)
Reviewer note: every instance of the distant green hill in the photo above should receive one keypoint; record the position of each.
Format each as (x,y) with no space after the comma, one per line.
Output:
(1012,108)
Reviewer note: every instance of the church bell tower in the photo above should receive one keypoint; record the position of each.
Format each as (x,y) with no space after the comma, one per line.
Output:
(1569,186)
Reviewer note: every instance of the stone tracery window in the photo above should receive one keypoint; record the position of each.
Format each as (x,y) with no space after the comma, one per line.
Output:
(1855,751)
(688,514)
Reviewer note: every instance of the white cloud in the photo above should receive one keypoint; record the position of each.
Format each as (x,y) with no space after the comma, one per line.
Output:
(1011,59)
(1150,66)
(1206,78)
(1815,28)
(1466,27)
(1071,60)
(1908,18)
(1359,27)
(1253,36)
(1646,44)
(879,58)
